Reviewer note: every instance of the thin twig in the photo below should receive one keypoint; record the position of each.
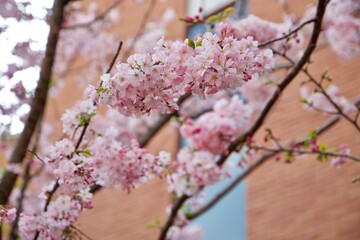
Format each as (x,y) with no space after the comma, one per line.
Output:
(96,19)
(81,232)
(319,85)
(48,200)
(26,180)
(305,152)
(115,57)
(332,102)
(35,154)
(257,164)
(287,35)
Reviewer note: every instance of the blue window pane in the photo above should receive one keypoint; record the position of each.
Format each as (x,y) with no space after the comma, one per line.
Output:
(197,29)
(227,219)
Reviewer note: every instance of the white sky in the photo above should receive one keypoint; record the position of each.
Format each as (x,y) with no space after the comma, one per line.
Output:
(36,30)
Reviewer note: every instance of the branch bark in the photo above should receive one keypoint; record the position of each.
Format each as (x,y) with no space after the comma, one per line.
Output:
(38,102)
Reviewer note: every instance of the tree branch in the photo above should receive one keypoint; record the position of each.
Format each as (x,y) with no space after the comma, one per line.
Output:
(254,166)
(96,19)
(305,152)
(38,102)
(287,35)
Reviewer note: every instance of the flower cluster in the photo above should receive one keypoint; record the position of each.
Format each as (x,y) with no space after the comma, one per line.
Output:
(72,169)
(337,162)
(192,170)
(77,116)
(263,31)
(341,27)
(120,127)
(153,81)
(318,101)
(189,232)
(56,222)
(229,119)
(258,91)
(7,214)
(125,167)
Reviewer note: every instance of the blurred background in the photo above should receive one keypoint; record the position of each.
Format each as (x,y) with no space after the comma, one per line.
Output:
(302,200)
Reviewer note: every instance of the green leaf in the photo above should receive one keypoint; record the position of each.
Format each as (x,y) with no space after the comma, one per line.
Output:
(322,146)
(85,118)
(86,152)
(312,134)
(289,156)
(303,100)
(228,12)
(191,43)
(199,42)
(213,18)
(355,180)
(100,90)
(154,223)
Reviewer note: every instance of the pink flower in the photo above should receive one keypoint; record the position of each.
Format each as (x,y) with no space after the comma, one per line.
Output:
(338,162)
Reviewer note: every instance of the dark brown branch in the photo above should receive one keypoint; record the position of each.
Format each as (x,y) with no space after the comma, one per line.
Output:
(112,63)
(287,35)
(254,166)
(319,85)
(257,164)
(162,121)
(335,105)
(48,200)
(287,80)
(19,208)
(86,125)
(81,232)
(26,180)
(231,186)
(305,152)
(96,19)
(38,102)
(260,120)
(172,216)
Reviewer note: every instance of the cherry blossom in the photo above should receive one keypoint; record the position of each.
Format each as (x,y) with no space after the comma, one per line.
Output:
(192,170)
(227,120)
(125,167)
(263,31)
(56,221)
(341,27)
(318,101)
(190,232)
(338,162)
(153,81)
(7,214)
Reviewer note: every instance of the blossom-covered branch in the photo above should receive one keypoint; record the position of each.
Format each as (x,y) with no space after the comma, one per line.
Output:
(324,128)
